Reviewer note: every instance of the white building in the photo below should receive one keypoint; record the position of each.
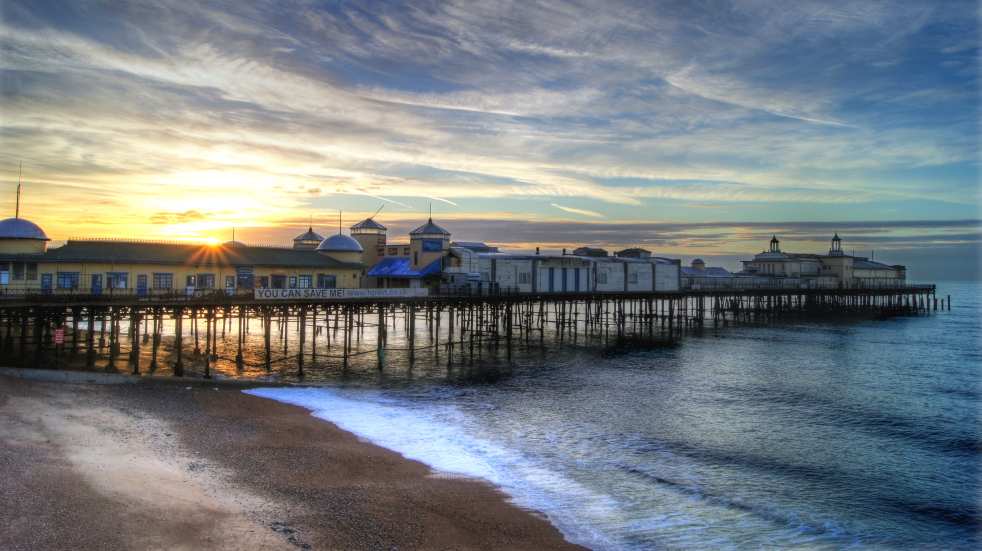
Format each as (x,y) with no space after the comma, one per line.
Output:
(835,269)
(540,273)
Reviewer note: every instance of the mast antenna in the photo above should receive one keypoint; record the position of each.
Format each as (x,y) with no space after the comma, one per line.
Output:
(372,217)
(20,173)
(339,221)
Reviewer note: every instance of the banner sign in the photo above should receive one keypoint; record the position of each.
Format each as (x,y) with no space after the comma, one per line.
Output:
(337,294)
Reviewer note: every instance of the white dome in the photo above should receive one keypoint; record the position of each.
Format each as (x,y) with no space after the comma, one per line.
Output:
(339,244)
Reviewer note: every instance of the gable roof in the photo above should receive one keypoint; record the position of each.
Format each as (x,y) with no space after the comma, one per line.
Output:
(135,252)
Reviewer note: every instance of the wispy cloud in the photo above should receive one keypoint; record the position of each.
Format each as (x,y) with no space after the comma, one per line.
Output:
(583,212)
(274,111)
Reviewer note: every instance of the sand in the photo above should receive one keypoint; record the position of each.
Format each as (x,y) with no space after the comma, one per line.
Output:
(165,466)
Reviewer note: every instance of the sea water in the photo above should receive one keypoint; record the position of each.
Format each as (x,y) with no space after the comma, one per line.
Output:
(814,435)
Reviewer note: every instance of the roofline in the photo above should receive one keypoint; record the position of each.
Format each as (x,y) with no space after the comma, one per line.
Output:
(102,260)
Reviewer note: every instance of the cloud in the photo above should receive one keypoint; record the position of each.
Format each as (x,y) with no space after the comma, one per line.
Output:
(582,212)
(178,217)
(759,113)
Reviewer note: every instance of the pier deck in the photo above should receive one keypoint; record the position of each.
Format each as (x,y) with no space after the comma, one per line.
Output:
(91,332)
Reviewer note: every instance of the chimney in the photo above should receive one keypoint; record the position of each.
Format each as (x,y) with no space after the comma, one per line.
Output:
(536,250)
(564,251)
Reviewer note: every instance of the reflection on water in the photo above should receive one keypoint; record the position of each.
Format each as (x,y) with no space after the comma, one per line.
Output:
(810,435)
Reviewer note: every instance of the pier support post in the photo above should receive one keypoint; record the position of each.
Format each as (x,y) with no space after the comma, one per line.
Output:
(135,341)
(179,341)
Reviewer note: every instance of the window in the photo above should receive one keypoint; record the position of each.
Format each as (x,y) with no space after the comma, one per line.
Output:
(325,281)
(191,281)
(293,282)
(305,281)
(163,281)
(68,280)
(244,277)
(416,258)
(263,282)
(524,278)
(230,282)
(632,278)
(18,271)
(206,281)
(116,280)
(279,281)
(602,278)
(32,271)
(4,277)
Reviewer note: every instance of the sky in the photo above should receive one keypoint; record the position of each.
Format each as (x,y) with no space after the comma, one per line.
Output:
(691,128)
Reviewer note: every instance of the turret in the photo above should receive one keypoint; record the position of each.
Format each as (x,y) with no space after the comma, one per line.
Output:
(836,249)
(428,243)
(20,236)
(775,245)
(698,264)
(342,248)
(371,236)
(307,241)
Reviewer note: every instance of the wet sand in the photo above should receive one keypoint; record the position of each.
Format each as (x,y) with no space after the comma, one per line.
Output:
(166,466)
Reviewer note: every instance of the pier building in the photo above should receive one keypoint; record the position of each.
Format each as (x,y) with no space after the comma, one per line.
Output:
(592,272)
(833,269)
(106,266)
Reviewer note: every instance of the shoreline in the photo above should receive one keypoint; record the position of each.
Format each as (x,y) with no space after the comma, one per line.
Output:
(204,466)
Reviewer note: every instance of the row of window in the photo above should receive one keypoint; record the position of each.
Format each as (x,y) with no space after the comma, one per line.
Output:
(165,281)
(18,271)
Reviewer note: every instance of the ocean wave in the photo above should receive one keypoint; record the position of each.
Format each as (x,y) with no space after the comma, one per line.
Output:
(436,436)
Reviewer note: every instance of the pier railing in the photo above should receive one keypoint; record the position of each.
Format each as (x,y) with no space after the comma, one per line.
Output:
(247,295)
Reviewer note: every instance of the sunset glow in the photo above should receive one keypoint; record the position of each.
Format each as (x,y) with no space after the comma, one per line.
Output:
(186,120)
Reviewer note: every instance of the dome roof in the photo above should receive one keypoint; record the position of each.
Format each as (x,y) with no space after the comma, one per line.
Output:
(368,224)
(18,228)
(340,244)
(429,228)
(309,235)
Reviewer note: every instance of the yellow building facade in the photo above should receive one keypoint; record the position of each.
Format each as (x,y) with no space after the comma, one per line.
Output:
(146,268)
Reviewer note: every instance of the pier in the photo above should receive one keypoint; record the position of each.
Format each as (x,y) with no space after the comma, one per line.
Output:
(190,335)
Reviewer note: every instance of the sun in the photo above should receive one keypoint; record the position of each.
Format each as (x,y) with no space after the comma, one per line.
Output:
(211,241)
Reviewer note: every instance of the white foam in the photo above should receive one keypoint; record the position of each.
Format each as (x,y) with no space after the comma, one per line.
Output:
(439,436)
